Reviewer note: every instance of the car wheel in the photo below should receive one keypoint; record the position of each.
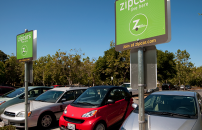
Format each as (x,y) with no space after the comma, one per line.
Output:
(100,126)
(46,120)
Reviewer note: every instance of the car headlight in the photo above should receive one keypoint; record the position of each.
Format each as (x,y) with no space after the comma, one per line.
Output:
(22,114)
(1,102)
(89,114)
(65,111)
(122,128)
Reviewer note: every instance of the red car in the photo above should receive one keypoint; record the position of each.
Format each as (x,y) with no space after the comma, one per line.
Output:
(54,86)
(5,89)
(97,108)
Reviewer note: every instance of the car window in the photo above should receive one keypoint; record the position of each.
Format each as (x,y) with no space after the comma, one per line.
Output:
(91,97)
(34,92)
(44,89)
(78,93)
(14,93)
(116,94)
(49,96)
(69,95)
(170,103)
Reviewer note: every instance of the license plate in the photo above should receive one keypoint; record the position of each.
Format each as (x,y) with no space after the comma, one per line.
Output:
(71,126)
(5,121)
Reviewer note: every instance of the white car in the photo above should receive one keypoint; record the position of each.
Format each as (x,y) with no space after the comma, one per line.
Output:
(44,110)
(131,90)
(168,110)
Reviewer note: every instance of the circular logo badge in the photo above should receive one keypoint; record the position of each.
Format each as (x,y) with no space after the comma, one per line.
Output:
(138,24)
(24,50)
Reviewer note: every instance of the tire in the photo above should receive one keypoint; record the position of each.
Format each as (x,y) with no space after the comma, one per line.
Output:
(46,120)
(100,126)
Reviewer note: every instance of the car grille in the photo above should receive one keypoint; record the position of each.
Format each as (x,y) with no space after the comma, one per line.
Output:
(73,120)
(9,113)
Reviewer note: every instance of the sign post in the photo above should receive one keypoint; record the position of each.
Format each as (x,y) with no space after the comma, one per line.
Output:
(138,24)
(26,52)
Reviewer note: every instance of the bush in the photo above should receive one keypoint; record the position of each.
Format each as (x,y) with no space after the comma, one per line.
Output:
(8,127)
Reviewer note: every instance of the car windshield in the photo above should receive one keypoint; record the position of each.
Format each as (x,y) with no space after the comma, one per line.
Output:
(49,96)
(91,97)
(171,104)
(126,85)
(14,93)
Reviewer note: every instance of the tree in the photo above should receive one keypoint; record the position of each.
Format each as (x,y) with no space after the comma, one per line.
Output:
(2,73)
(183,66)
(166,67)
(13,70)
(3,56)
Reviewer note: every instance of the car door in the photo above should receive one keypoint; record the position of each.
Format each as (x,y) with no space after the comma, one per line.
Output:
(115,110)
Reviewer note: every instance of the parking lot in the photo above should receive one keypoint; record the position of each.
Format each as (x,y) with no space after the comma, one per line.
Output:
(117,126)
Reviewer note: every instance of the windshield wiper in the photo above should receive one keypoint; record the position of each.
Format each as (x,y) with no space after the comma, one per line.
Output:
(40,100)
(85,103)
(169,113)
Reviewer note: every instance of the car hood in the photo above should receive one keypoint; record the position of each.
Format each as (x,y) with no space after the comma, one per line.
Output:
(155,122)
(21,106)
(77,112)
(38,104)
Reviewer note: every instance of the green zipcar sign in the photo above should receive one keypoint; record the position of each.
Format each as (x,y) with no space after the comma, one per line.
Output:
(25,46)
(141,23)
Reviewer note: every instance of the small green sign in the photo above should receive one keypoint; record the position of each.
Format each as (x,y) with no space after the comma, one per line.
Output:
(140,23)
(25,46)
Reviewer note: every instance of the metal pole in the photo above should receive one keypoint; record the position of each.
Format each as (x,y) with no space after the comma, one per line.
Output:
(141,88)
(26,93)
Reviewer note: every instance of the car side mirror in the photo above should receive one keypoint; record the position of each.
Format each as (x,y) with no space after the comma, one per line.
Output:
(134,105)
(110,101)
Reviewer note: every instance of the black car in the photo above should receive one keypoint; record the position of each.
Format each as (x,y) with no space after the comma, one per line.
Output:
(168,86)
(188,86)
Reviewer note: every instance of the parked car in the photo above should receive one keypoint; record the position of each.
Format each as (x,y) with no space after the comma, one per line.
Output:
(17,96)
(44,110)
(5,89)
(131,90)
(183,87)
(168,110)
(177,87)
(188,86)
(97,108)
(152,90)
(54,86)
(168,86)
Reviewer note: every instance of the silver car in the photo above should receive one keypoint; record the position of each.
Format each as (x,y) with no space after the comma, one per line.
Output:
(17,96)
(44,110)
(168,110)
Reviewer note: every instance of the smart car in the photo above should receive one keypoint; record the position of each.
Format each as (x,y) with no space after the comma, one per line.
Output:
(97,108)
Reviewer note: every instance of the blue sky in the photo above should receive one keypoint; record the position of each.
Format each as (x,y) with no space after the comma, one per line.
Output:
(89,25)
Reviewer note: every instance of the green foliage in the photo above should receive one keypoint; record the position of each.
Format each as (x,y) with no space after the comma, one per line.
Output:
(8,127)
(166,67)
(3,56)
(70,68)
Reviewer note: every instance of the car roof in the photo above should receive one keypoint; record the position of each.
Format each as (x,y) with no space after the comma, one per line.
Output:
(7,87)
(105,86)
(178,93)
(68,88)
(32,87)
